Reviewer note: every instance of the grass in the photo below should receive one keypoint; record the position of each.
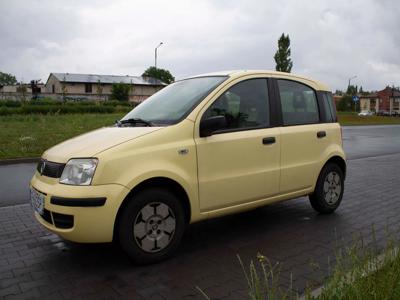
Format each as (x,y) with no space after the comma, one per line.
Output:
(360,273)
(351,118)
(31,135)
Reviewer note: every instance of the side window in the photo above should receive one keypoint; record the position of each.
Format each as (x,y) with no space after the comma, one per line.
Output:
(299,103)
(329,108)
(245,105)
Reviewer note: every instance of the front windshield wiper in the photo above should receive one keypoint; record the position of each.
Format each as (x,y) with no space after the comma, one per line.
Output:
(134,121)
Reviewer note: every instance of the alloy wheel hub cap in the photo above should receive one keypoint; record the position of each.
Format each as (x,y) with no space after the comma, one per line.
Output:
(332,188)
(154,227)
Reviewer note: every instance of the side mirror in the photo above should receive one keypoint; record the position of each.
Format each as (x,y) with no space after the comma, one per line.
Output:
(209,125)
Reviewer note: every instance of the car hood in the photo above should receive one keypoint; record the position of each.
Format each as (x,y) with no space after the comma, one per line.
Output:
(94,142)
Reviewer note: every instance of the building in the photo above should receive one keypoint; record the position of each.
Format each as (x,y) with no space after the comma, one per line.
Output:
(19,91)
(93,87)
(386,100)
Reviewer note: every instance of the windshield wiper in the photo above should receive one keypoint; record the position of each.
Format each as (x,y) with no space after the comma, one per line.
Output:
(134,121)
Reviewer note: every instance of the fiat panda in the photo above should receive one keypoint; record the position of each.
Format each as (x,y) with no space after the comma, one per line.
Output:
(202,147)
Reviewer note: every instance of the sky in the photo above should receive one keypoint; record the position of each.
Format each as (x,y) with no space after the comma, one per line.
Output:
(331,41)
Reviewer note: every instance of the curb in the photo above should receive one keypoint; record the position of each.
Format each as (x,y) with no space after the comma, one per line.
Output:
(19,161)
(372,267)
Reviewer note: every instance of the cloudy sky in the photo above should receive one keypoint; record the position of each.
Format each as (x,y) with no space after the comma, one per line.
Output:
(330,40)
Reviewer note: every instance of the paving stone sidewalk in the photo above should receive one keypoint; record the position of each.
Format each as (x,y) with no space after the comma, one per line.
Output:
(38,264)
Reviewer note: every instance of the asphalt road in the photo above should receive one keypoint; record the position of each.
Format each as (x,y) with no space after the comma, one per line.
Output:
(359,142)
(371,141)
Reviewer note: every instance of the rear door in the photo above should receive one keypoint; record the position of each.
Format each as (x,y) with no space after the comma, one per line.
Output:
(303,137)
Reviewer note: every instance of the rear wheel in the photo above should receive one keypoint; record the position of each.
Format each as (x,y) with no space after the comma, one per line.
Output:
(329,189)
(151,226)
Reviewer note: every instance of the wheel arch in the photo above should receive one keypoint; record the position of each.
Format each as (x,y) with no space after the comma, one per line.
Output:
(160,182)
(339,161)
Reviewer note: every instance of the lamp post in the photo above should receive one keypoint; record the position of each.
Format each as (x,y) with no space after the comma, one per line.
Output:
(348,87)
(155,54)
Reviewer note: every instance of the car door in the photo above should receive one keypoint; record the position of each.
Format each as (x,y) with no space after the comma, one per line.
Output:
(303,137)
(240,162)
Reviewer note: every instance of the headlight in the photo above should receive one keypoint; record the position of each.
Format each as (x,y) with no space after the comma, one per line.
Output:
(79,171)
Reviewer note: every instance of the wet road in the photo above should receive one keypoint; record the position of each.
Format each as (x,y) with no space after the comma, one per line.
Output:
(359,142)
(370,141)
(14,181)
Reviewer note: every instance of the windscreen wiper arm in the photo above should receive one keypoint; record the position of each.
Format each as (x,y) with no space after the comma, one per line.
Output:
(135,121)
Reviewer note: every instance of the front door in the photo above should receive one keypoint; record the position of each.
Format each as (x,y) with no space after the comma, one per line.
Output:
(239,163)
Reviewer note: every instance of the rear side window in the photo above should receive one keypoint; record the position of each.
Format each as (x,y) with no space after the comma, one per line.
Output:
(298,102)
(328,106)
(245,105)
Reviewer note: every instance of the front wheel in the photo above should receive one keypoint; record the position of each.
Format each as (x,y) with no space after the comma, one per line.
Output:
(151,226)
(329,189)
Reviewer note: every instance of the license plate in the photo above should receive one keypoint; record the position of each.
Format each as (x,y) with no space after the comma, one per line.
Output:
(37,201)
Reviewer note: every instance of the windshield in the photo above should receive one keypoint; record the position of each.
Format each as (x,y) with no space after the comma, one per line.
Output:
(174,102)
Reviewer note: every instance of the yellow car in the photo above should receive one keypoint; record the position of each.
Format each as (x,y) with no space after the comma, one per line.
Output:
(202,147)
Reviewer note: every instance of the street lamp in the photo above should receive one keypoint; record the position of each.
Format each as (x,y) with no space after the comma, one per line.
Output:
(348,87)
(155,54)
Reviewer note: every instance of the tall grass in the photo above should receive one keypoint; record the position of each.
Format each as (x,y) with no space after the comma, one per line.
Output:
(262,279)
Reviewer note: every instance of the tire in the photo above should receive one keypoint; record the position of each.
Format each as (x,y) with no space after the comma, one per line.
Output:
(329,189)
(151,226)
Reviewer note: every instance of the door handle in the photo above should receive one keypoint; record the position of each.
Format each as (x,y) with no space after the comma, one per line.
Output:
(268,140)
(321,134)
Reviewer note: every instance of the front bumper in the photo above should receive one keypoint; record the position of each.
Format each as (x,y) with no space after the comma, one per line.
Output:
(84,214)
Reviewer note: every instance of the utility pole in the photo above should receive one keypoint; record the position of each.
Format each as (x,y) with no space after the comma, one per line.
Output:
(155,54)
(348,87)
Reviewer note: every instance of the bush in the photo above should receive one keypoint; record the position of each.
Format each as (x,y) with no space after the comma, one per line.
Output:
(10,103)
(119,103)
(120,91)
(61,109)
(43,101)
(52,106)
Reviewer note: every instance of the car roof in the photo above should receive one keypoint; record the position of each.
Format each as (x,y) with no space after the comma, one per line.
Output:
(233,74)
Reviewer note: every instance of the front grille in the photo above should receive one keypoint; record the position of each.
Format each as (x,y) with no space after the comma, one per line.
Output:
(50,169)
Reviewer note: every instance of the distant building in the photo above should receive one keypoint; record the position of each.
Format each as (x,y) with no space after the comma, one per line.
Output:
(337,98)
(20,91)
(91,87)
(386,100)
(83,87)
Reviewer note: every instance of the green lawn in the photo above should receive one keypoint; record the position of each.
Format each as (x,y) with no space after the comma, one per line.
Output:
(350,118)
(31,135)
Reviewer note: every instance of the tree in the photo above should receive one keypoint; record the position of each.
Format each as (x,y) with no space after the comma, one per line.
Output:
(7,79)
(21,89)
(161,74)
(282,55)
(120,91)
(99,90)
(339,92)
(64,90)
(345,103)
(352,90)
(35,88)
